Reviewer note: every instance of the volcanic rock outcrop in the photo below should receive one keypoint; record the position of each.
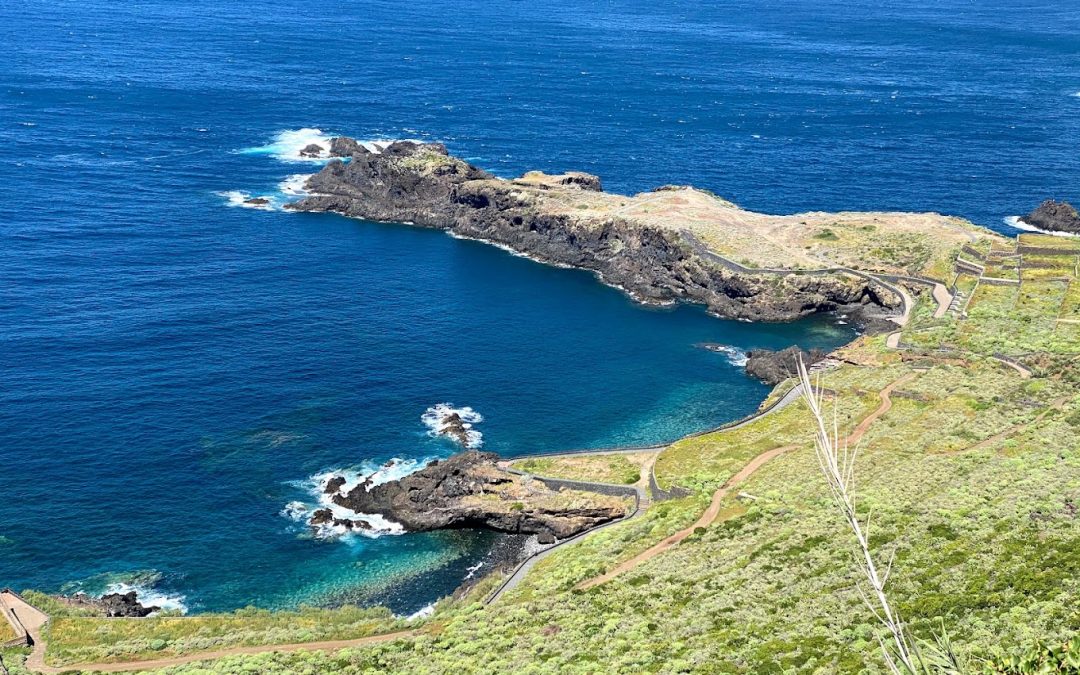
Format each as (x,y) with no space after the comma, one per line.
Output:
(421,184)
(1054,216)
(469,490)
(115,605)
(773,367)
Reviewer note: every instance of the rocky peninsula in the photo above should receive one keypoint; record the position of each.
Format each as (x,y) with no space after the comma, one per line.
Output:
(672,244)
(470,490)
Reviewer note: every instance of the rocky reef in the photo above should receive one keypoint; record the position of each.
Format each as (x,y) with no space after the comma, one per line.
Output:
(114,605)
(1054,216)
(773,367)
(470,490)
(421,184)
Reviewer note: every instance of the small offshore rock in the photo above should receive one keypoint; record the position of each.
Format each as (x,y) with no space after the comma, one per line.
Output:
(124,605)
(1054,216)
(334,485)
(312,150)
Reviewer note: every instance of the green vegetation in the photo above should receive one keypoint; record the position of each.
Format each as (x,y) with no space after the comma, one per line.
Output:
(6,630)
(81,639)
(972,476)
(615,468)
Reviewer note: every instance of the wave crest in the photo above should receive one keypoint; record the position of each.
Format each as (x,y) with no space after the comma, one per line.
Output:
(441,418)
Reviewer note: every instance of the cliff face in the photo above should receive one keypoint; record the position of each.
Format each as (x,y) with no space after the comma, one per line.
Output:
(468,490)
(1054,216)
(423,185)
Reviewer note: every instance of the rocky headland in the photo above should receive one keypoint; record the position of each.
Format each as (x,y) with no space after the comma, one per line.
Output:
(568,220)
(470,490)
(1054,216)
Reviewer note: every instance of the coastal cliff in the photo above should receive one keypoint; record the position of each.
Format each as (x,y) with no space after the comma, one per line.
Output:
(568,220)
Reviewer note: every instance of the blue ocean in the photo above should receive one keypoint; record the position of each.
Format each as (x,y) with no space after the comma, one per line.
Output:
(176,370)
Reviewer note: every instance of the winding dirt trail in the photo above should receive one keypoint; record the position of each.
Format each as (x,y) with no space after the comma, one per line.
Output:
(34,620)
(705,520)
(1055,405)
(718,497)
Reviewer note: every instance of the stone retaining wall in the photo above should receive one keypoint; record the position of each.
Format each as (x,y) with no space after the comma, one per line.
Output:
(22,638)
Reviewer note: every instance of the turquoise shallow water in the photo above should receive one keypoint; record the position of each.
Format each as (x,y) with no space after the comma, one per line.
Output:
(175,369)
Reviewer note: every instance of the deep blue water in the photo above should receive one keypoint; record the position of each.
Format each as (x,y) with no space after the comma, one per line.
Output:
(172,369)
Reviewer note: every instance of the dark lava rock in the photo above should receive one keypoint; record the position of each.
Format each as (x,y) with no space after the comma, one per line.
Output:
(469,490)
(312,150)
(774,367)
(124,605)
(327,517)
(321,517)
(342,146)
(585,181)
(545,538)
(420,183)
(455,427)
(1054,216)
(333,485)
(257,201)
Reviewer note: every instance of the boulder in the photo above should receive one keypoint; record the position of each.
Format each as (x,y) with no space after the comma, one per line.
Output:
(774,367)
(312,150)
(333,485)
(1054,216)
(124,605)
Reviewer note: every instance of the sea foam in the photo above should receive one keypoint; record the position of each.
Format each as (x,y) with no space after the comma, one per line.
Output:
(238,198)
(370,472)
(149,597)
(286,145)
(734,355)
(437,417)
(1018,223)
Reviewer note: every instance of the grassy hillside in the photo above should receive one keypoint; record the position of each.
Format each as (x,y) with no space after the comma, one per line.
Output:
(972,476)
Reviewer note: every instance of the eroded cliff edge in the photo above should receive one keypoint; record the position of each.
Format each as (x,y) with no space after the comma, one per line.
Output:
(568,220)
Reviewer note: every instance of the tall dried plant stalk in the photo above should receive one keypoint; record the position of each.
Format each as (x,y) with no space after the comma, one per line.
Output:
(837,463)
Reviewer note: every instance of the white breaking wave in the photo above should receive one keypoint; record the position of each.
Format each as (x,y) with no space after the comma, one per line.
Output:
(294,185)
(1018,223)
(239,198)
(149,597)
(437,417)
(735,356)
(287,145)
(422,613)
(473,570)
(301,511)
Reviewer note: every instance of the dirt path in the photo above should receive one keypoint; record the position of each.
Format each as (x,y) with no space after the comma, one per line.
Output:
(705,520)
(1025,373)
(710,514)
(1057,404)
(886,403)
(34,621)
